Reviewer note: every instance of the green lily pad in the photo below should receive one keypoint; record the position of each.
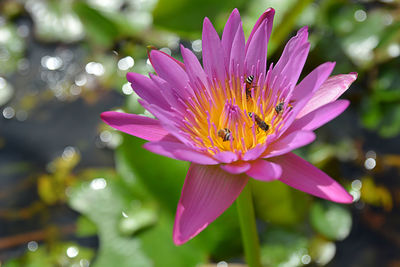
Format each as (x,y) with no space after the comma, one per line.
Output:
(331,220)
(283,248)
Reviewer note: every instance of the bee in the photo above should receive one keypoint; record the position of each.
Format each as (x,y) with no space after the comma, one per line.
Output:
(260,123)
(225,134)
(279,107)
(249,82)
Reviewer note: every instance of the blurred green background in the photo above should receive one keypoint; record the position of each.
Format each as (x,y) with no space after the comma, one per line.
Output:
(74,192)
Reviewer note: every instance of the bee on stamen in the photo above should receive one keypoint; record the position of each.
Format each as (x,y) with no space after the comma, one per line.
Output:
(249,82)
(279,107)
(225,134)
(260,123)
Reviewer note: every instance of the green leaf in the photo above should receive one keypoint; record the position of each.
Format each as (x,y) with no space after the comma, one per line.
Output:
(58,254)
(162,177)
(186,16)
(102,200)
(331,220)
(283,248)
(85,227)
(100,30)
(277,203)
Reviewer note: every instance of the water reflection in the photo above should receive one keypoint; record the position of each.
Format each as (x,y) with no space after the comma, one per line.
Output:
(222,264)
(51,63)
(72,252)
(95,68)
(370,163)
(8,112)
(32,246)
(98,184)
(360,15)
(306,259)
(197,46)
(127,89)
(126,63)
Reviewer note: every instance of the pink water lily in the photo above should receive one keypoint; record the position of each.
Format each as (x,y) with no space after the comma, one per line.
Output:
(234,118)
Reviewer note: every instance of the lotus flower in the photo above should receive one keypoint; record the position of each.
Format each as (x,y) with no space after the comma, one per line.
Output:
(234,118)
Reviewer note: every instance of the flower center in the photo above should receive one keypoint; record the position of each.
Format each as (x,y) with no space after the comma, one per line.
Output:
(235,116)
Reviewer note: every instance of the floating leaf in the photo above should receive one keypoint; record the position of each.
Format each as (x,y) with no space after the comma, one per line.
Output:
(277,203)
(331,220)
(283,248)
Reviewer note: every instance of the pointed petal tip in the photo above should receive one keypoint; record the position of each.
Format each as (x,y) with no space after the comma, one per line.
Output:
(355,75)
(129,76)
(270,10)
(206,22)
(107,115)
(345,199)
(235,11)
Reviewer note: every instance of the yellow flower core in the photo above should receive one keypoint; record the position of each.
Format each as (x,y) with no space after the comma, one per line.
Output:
(229,109)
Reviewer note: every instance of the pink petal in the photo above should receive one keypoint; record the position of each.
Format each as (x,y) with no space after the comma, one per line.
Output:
(289,142)
(291,63)
(194,69)
(171,72)
(264,170)
(151,61)
(236,167)
(179,151)
(267,15)
(302,175)
(320,116)
(305,90)
(256,55)
(169,121)
(168,92)
(254,153)
(213,57)
(330,90)
(139,126)
(208,191)
(236,64)
(226,157)
(147,89)
(230,30)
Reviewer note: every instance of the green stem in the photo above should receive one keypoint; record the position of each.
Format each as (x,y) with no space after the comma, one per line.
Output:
(248,228)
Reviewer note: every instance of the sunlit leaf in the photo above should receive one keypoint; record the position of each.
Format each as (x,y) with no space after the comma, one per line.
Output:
(283,248)
(277,203)
(331,220)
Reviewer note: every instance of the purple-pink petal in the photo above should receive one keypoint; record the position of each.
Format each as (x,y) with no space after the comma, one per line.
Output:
(267,15)
(179,151)
(264,170)
(194,69)
(171,72)
(329,91)
(208,191)
(289,142)
(256,55)
(149,49)
(302,175)
(254,153)
(140,126)
(291,62)
(226,157)
(147,89)
(236,168)
(213,56)
(228,35)
(236,63)
(306,89)
(320,116)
